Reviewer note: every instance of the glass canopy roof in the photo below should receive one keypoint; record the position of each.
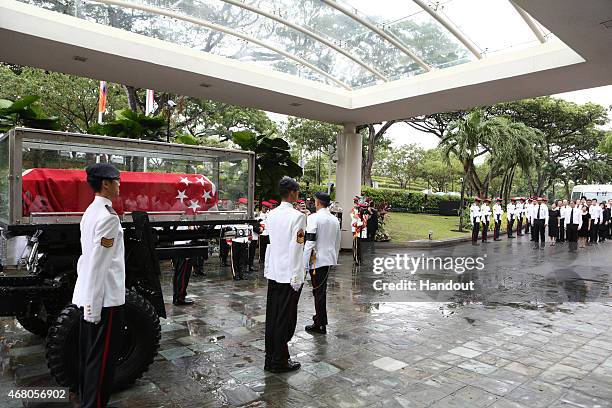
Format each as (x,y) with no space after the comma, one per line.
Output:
(348,44)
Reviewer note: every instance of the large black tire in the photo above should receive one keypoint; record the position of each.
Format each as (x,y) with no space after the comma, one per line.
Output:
(34,324)
(141,342)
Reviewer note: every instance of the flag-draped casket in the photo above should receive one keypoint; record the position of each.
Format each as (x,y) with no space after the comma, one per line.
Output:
(59,190)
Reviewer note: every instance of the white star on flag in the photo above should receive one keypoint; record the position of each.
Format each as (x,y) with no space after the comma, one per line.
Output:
(200,180)
(184,180)
(194,205)
(181,195)
(206,196)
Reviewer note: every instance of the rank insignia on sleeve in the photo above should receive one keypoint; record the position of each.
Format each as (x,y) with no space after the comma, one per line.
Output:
(107,242)
(300,236)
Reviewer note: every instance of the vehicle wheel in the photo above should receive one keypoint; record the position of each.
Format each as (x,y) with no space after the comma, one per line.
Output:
(141,336)
(34,324)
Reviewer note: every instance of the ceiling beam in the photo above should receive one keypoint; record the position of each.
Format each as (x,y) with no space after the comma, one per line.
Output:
(310,34)
(380,32)
(530,22)
(229,31)
(451,28)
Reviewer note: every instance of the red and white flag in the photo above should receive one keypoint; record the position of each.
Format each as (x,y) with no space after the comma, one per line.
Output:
(59,190)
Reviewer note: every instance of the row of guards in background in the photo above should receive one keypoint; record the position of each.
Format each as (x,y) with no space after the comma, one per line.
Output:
(585,218)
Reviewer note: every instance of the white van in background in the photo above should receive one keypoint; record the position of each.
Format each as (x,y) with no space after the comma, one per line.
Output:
(602,192)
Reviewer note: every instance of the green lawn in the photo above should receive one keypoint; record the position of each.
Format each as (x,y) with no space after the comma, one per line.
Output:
(409,227)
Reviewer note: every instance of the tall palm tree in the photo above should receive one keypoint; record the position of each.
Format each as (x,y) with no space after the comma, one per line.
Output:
(508,144)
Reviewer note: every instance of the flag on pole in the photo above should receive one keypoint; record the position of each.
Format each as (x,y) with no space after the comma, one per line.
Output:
(102,101)
(150,103)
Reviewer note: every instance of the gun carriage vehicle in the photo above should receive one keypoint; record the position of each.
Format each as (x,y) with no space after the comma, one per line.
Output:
(174,198)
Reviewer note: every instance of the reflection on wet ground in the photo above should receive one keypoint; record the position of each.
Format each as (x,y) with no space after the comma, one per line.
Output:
(492,353)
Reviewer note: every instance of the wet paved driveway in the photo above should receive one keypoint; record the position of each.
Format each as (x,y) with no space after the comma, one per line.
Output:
(493,353)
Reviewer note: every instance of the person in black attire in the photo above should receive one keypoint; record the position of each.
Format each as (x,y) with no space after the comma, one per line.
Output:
(585,230)
(573,221)
(603,227)
(372,223)
(553,224)
(224,249)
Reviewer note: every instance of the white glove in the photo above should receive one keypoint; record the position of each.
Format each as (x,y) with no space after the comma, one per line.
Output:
(92,319)
(295,283)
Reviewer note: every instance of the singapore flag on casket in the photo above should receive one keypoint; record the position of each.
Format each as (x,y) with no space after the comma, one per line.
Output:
(59,190)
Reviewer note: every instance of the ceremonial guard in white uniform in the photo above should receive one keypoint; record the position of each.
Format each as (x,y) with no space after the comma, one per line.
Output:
(475,219)
(320,254)
(253,245)
(100,288)
(520,212)
(264,238)
(540,221)
(284,269)
(485,218)
(497,218)
(528,221)
(510,216)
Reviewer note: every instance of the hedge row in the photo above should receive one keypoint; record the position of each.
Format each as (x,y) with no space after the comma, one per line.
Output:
(400,201)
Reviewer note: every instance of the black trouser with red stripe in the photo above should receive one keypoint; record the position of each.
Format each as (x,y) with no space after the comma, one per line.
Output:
(99,346)
(182,273)
(253,244)
(239,254)
(281,318)
(318,277)
(264,240)
(496,229)
(475,230)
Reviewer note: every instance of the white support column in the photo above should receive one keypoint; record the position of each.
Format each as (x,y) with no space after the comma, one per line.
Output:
(348,177)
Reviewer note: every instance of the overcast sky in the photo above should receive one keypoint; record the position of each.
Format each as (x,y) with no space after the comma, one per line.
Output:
(401,133)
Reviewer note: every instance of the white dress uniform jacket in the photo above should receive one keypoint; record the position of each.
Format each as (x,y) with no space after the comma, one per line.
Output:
(285,253)
(519,210)
(528,209)
(497,212)
(485,213)
(263,216)
(543,208)
(101,267)
(573,217)
(474,213)
(511,210)
(326,227)
(596,213)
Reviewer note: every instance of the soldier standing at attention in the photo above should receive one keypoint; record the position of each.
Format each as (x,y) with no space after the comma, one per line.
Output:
(264,238)
(100,288)
(475,219)
(510,214)
(320,254)
(485,217)
(520,210)
(528,220)
(497,218)
(284,270)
